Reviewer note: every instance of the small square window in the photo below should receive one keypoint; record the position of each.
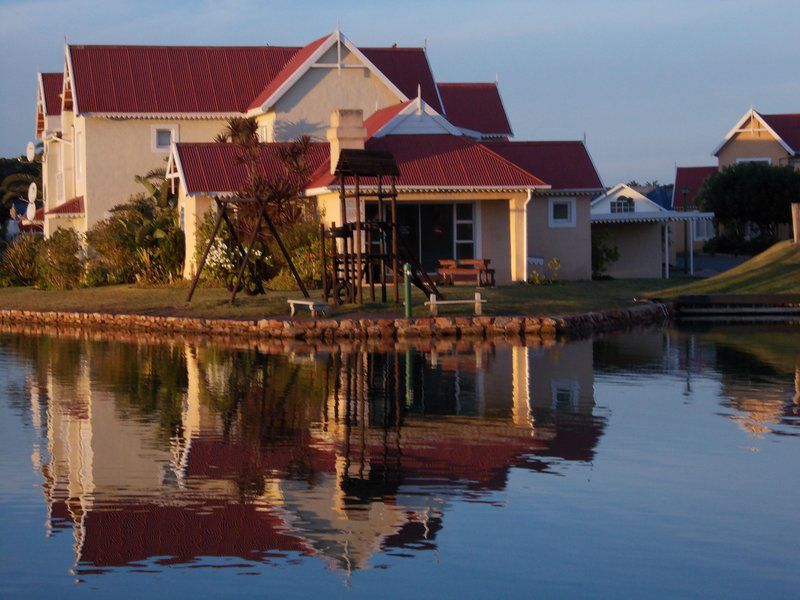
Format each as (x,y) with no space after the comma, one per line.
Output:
(562,213)
(163,138)
(464,211)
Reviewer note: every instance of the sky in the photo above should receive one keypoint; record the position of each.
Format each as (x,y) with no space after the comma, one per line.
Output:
(648,83)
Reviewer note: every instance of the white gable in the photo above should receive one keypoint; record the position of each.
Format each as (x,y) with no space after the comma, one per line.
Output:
(418,118)
(618,195)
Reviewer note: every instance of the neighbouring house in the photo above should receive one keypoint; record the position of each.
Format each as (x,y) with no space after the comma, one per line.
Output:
(465,189)
(640,230)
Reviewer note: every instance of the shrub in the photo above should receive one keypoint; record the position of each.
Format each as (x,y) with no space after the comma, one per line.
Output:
(548,275)
(19,260)
(604,254)
(59,262)
(113,252)
(302,242)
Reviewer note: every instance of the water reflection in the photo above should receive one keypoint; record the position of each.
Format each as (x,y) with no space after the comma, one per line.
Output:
(161,454)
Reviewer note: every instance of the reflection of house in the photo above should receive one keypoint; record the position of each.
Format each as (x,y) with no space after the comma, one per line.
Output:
(370,471)
(640,230)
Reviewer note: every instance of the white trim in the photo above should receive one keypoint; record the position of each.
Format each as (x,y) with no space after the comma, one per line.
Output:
(433,188)
(68,78)
(738,129)
(525,235)
(651,217)
(639,197)
(559,224)
(754,159)
(77,148)
(155,115)
(478,228)
(334,38)
(419,107)
(174,130)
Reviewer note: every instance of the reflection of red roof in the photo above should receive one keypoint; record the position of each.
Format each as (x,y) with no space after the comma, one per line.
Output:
(475,106)
(52,84)
(136,532)
(408,69)
(287,71)
(73,206)
(787,127)
(444,161)
(563,165)
(214,167)
(690,178)
(173,79)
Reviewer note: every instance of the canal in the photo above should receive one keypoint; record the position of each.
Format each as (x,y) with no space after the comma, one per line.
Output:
(658,462)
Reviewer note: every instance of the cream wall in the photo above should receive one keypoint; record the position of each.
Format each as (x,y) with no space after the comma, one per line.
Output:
(193,210)
(571,245)
(306,107)
(496,238)
(752,144)
(119,149)
(640,249)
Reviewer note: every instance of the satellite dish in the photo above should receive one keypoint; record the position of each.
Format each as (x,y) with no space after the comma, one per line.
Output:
(30,152)
(30,213)
(32,191)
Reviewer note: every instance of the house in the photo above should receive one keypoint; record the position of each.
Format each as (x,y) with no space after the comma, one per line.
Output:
(640,230)
(126,109)
(771,139)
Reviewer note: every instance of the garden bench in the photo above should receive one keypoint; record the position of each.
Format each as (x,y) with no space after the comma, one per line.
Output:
(312,305)
(434,304)
(472,267)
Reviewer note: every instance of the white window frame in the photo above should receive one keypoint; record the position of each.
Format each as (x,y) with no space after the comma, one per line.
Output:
(456,223)
(552,222)
(706,231)
(154,129)
(754,159)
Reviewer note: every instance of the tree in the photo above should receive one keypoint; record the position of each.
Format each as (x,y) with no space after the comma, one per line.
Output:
(751,193)
(604,254)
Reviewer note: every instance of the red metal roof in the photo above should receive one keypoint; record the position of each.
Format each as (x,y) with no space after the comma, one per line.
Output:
(73,206)
(408,69)
(475,106)
(214,167)
(787,127)
(295,63)
(380,118)
(443,161)
(52,84)
(690,178)
(173,79)
(563,165)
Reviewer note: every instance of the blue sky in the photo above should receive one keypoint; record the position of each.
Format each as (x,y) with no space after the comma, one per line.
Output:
(648,83)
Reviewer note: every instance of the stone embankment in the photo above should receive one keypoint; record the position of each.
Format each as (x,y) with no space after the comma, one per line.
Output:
(339,329)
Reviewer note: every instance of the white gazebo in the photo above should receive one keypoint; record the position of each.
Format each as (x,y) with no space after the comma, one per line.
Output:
(640,229)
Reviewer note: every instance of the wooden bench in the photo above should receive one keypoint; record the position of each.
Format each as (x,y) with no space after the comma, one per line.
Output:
(472,267)
(312,305)
(434,304)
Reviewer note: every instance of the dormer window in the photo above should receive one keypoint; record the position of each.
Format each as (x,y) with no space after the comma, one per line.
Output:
(623,204)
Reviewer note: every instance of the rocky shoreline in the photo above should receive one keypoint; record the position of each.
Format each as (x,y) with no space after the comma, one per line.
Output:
(342,329)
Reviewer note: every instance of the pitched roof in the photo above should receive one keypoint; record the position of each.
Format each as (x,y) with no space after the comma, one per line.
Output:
(443,161)
(51,86)
(690,178)
(408,69)
(73,206)
(564,165)
(173,79)
(287,71)
(475,106)
(380,118)
(787,126)
(215,168)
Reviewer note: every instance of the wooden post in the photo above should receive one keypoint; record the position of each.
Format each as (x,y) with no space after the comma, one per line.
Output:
(196,278)
(246,257)
(478,304)
(324,262)
(395,263)
(285,252)
(382,240)
(359,255)
(434,308)
(666,250)
(796,222)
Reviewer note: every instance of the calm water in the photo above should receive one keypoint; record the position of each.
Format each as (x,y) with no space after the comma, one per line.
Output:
(654,463)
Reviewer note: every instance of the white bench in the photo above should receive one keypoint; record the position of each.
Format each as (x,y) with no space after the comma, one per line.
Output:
(312,305)
(434,304)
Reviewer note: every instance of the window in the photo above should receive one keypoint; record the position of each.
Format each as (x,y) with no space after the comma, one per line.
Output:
(763,159)
(622,205)
(561,212)
(703,229)
(163,136)
(465,230)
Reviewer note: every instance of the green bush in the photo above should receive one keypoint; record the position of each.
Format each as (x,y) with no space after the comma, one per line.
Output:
(604,254)
(112,252)
(304,246)
(18,263)
(59,261)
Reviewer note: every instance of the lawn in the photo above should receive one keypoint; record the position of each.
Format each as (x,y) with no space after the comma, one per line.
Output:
(566,298)
(774,271)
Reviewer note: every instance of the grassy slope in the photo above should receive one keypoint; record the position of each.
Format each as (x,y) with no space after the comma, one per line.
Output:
(568,298)
(774,271)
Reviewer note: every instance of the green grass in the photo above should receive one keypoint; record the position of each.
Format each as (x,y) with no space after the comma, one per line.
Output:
(774,271)
(570,297)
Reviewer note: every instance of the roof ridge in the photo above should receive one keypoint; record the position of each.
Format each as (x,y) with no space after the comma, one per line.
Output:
(511,163)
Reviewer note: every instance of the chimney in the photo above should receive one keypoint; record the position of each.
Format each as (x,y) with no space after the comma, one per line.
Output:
(347,132)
